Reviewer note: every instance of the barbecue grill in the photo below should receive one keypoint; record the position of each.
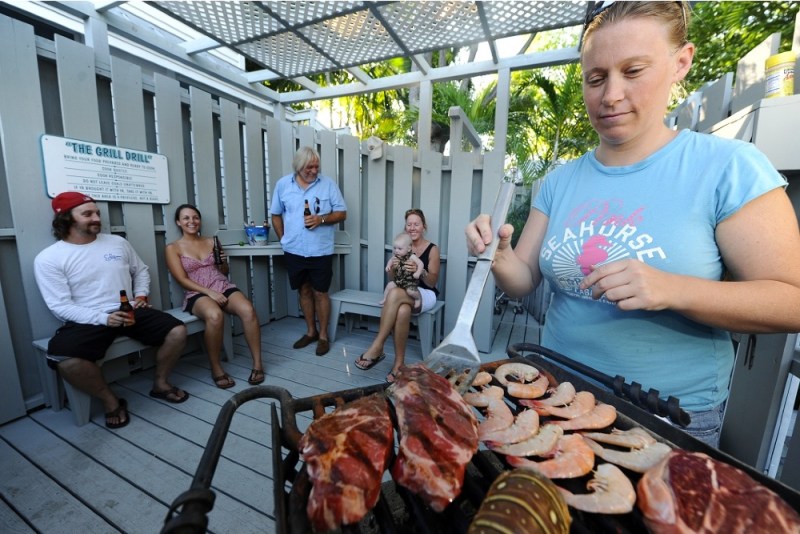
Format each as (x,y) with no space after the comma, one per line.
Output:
(400,511)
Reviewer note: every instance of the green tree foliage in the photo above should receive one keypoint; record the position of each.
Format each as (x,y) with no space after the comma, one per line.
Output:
(725,31)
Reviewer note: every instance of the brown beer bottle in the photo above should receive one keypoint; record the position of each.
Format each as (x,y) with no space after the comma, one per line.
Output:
(125,305)
(306,212)
(217,248)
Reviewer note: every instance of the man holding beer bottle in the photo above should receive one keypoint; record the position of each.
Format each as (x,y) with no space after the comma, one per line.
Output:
(80,278)
(305,209)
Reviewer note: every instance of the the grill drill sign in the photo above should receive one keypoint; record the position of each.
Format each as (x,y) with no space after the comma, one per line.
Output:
(103,171)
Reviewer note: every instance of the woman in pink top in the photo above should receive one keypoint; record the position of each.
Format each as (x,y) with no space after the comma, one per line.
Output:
(209,293)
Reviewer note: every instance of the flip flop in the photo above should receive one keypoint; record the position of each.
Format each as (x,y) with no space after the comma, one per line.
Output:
(223,381)
(371,362)
(171,395)
(121,409)
(390,378)
(256,377)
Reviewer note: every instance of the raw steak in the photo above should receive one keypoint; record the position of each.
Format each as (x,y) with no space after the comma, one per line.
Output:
(346,453)
(692,492)
(438,435)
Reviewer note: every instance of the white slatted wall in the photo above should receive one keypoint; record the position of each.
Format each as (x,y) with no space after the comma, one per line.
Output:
(218,151)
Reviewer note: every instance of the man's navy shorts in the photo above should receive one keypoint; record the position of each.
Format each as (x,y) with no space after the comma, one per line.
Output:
(315,269)
(90,341)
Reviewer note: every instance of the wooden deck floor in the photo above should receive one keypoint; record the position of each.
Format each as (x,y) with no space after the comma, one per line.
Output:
(57,477)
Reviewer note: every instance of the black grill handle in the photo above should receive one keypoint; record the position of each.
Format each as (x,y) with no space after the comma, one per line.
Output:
(633,392)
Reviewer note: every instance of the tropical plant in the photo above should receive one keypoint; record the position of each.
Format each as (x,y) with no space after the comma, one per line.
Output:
(725,31)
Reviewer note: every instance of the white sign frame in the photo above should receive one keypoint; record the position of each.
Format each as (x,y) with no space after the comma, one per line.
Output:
(104,172)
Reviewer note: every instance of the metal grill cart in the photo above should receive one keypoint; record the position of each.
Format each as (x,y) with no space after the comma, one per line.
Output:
(400,511)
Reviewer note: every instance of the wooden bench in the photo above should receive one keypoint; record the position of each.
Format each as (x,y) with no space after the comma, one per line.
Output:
(115,365)
(353,302)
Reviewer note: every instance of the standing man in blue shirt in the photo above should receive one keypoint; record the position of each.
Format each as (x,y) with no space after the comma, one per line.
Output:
(307,240)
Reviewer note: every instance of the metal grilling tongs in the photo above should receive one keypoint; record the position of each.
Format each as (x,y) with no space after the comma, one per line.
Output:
(457,355)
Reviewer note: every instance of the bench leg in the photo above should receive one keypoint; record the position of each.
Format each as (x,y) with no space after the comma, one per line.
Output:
(437,326)
(80,403)
(336,306)
(51,383)
(425,325)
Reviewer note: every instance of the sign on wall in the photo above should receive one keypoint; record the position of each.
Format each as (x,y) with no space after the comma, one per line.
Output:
(104,172)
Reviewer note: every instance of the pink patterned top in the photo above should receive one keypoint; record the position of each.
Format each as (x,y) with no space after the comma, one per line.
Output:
(204,273)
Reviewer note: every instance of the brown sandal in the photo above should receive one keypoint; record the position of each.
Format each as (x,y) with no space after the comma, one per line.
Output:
(256,377)
(223,381)
(120,414)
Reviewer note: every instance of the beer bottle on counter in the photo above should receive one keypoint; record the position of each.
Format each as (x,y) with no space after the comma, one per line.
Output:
(126,306)
(306,212)
(217,248)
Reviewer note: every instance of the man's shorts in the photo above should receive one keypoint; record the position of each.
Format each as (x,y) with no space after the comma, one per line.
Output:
(90,341)
(190,303)
(315,269)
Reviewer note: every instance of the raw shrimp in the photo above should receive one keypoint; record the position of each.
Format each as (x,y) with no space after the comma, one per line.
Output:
(480,399)
(538,445)
(571,458)
(482,379)
(634,438)
(612,493)
(534,390)
(526,425)
(639,460)
(582,404)
(521,372)
(560,396)
(498,417)
(600,417)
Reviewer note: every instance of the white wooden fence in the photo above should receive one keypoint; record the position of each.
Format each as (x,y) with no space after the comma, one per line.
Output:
(223,155)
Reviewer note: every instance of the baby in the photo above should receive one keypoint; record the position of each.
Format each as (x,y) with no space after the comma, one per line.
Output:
(397,265)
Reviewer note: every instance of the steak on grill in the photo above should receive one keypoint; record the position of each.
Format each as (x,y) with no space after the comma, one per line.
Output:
(438,435)
(692,492)
(346,453)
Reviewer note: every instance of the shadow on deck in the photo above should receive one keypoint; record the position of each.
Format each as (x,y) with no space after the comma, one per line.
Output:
(58,477)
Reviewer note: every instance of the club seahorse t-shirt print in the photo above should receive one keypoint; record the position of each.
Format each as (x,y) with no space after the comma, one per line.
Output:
(662,211)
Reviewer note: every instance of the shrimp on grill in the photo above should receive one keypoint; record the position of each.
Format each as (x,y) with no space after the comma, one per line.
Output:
(611,493)
(583,403)
(571,458)
(639,460)
(498,417)
(480,399)
(601,416)
(634,438)
(538,445)
(526,425)
(534,390)
(481,379)
(522,372)
(559,396)
(529,382)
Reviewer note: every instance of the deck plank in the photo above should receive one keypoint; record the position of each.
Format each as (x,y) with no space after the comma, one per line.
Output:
(64,478)
(11,522)
(114,495)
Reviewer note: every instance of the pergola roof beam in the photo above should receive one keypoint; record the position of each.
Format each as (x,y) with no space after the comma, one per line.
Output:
(487,32)
(202,44)
(101,7)
(264,75)
(305,82)
(439,74)
(360,75)
(422,63)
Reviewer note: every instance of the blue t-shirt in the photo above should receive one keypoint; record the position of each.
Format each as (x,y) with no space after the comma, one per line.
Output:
(663,211)
(288,201)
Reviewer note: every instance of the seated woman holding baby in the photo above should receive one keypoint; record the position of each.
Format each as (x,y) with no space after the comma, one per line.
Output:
(398,304)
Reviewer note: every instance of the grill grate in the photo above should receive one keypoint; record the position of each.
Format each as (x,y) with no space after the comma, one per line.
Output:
(399,511)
